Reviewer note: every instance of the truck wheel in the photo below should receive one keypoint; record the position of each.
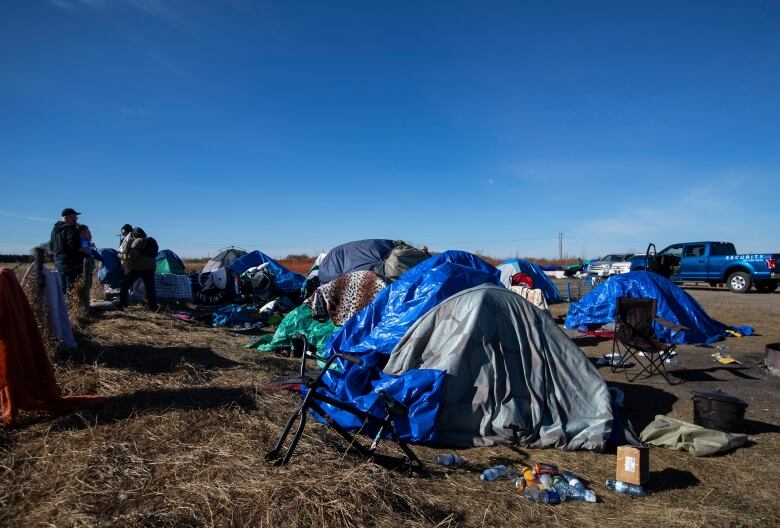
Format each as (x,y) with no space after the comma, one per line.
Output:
(740,282)
(766,286)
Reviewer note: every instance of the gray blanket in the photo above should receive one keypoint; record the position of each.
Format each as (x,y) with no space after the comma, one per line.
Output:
(508,366)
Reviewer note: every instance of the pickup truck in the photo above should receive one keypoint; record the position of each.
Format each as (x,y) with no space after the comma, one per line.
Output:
(600,267)
(635,263)
(716,263)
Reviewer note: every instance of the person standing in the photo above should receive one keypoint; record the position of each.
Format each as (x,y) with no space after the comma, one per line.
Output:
(140,261)
(126,239)
(65,244)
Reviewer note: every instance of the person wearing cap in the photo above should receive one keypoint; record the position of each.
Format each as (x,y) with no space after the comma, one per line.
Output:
(65,244)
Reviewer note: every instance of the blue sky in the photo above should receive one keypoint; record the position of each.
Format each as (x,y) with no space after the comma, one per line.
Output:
(487,126)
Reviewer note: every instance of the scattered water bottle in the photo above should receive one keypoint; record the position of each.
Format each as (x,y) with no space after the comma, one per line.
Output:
(545,496)
(572,479)
(545,480)
(569,491)
(495,472)
(448,459)
(624,487)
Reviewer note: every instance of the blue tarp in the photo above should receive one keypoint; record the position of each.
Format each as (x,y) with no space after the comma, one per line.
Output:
(111,271)
(234,315)
(284,281)
(372,333)
(673,304)
(359,255)
(536,272)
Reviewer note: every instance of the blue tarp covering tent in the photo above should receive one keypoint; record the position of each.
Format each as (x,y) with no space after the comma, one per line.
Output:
(674,304)
(510,267)
(372,333)
(359,255)
(285,281)
(111,271)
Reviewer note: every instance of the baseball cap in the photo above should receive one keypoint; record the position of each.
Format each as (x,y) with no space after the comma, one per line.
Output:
(69,211)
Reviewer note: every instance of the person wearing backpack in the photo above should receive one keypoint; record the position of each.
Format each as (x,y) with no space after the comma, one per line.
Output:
(65,245)
(141,262)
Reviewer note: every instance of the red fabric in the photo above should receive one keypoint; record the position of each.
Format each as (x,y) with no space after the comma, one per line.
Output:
(26,376)
(606,334)
(522,278)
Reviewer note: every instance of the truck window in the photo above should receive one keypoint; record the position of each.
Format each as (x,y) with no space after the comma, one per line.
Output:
(694,250)
(722,248)
(673,250)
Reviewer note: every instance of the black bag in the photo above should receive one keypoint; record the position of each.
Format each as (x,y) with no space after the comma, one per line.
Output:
(150,247)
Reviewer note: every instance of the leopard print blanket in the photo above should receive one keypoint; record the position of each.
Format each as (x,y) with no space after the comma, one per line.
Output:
(342,298)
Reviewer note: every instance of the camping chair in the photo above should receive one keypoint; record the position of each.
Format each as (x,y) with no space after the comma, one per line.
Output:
(635,335)
(318,393)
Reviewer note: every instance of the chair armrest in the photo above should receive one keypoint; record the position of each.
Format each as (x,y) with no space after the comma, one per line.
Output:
(669,324)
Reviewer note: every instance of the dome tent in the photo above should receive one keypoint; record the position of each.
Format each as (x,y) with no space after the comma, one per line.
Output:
(387,258)
(169,262)
(510,267)
(223,258)
(359,255)
(509,368)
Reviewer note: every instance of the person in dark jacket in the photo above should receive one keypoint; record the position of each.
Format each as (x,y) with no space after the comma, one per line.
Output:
(65,244)
(140,264)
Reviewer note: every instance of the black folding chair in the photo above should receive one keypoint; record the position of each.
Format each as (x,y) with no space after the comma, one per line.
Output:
(318,393)
(635,339)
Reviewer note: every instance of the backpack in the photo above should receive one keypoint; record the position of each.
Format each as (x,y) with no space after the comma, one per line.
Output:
(150,248)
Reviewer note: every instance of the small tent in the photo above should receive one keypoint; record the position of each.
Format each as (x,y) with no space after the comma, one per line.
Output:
(672,303)
(169,262)
(541,280)
(223,258)
(359,255)
(284,281)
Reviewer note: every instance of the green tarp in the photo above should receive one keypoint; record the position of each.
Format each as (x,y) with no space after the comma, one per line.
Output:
(683,436)
(299,321)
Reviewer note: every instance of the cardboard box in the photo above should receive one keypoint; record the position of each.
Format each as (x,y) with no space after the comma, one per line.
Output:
(633,464)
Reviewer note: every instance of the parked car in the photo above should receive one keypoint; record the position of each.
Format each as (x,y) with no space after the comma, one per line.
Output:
(635,263)
(717,263)
(601,267)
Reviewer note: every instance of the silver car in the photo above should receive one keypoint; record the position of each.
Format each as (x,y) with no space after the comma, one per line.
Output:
(601,267)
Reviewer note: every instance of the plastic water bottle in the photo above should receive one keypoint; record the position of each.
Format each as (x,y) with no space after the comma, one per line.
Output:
(569,491)
(448,459)
(544,496)
(572,479)
(624,487)
(495,472)
(545,480)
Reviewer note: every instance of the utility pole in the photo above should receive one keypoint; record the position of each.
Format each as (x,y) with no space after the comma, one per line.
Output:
(560,246)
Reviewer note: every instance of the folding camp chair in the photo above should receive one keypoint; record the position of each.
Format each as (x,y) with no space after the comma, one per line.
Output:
(318,393)
(635,335)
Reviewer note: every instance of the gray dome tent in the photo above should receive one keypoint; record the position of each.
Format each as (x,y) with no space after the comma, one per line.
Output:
(223,258)
(508,366)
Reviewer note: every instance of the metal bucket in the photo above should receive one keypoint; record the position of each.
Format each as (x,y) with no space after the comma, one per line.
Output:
(719,410)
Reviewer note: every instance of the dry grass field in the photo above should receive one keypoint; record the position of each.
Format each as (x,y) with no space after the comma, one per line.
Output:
(189,416)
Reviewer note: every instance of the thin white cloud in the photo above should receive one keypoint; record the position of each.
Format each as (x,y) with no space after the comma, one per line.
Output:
(159,9)
(127,111)
(24,216)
